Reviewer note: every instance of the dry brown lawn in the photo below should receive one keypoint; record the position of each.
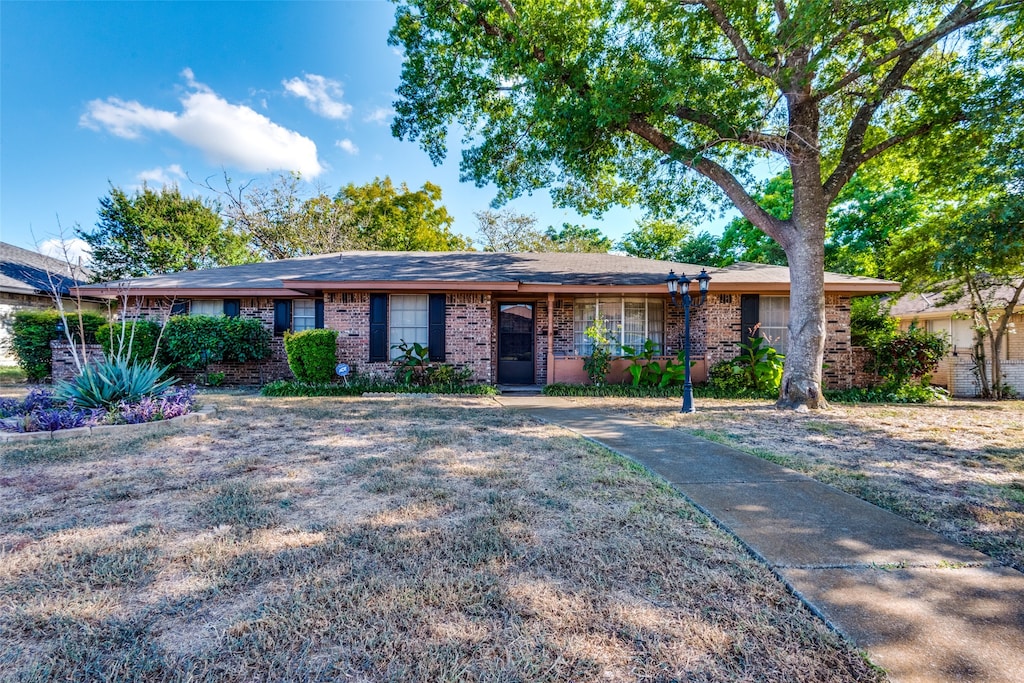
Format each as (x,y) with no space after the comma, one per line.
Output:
(956,467)
(399,539)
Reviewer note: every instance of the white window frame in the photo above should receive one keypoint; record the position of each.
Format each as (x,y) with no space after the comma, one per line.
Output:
(205,306)
(408,320)
(613,310)
(774,320)
(303,315)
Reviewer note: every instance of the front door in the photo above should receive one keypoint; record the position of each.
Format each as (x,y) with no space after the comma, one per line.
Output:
(515,344)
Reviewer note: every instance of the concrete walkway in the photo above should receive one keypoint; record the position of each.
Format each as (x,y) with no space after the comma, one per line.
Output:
(924,608)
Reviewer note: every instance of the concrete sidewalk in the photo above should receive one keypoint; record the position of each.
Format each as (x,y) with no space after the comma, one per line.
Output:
(924,608)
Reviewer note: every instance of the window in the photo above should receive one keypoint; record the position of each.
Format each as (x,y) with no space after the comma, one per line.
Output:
(774,318)
(628,321)
(303,315)
(409,321)
(214,307)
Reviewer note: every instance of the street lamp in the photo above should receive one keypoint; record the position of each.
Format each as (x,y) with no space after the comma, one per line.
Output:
(681,285)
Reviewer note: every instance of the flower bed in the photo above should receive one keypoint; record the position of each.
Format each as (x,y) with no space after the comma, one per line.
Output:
(41,411)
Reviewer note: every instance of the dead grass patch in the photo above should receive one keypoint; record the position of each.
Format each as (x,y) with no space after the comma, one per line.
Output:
(956,467)
(350,539)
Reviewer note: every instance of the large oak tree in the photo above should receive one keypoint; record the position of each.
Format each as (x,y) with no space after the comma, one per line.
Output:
(666,102)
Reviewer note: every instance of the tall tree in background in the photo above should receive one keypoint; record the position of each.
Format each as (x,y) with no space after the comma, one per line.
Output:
(661,102)
(400,219)
(656,238)
(577,239)
(151,232)
(284,219)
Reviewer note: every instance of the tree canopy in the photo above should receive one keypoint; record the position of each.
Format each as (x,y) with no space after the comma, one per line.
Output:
(670,104)
(510,231)
(150,232)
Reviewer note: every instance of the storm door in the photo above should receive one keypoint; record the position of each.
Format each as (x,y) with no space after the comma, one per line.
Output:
(515,344)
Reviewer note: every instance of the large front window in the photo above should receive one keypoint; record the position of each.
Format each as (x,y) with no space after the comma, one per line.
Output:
(774,315)
(213,307)
(628,321)
(409,320)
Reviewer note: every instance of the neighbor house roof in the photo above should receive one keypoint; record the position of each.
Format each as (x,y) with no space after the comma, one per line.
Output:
(477,271)
(29,272)
(938,305)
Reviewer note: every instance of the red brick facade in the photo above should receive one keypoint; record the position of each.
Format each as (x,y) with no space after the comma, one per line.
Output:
(472,334)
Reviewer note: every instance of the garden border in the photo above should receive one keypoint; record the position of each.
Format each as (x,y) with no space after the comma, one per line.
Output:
(142,427)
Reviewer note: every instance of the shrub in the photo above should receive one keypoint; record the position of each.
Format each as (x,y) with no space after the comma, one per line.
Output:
(907,355)
(870,321)
(42,410)
(889,392)
(600,359)
(411,365)
(312,354)
(137,339)
(193,341)
(757,371)
(32,332)
(106,384)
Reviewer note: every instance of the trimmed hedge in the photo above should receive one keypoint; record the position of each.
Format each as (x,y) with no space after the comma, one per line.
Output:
(312,354)
(358,388)
(32,332)
(630,391)
(193,341)
(141,335)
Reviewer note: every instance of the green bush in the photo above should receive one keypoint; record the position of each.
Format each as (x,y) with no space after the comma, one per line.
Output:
(870,321)
(889,392)
(32,332)
(134,340)
(312,354)
(357,386)
(908,355)
(193,341)
(757,371)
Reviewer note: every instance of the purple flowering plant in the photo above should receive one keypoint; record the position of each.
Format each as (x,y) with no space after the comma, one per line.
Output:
(40,411)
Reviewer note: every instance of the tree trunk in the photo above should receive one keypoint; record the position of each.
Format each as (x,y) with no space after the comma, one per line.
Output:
(805,352)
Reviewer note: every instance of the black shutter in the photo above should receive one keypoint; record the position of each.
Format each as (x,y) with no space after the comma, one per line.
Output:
(179,308)
(378,328)
(282,316)
(436,328)
(232,307)
(750,314)
(319,315)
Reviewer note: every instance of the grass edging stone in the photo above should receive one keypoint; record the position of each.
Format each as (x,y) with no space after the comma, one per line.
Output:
(99,430)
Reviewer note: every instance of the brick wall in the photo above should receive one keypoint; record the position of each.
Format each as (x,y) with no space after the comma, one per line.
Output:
(964,381)
(64,367)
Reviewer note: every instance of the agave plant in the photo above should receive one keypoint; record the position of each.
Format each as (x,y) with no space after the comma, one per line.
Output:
(108,383)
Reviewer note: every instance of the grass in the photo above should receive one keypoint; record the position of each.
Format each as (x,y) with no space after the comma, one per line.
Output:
(366,540)
(11,374)
(956,467)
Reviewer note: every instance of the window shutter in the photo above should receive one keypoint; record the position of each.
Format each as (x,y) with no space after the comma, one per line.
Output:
(378,327)
(282,316)
(436,327)
(232,307)
(750,315)
(319,314)
(179,308)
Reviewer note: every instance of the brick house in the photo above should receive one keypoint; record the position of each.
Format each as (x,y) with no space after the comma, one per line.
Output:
(510,318)
(957,371)
(29,281)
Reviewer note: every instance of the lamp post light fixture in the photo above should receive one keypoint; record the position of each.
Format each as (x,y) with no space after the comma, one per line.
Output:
(681,285)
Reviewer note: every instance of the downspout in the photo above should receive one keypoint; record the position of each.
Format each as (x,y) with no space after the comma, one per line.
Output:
(550,379)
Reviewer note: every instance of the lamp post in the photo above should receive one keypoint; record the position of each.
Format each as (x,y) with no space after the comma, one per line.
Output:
(681,285)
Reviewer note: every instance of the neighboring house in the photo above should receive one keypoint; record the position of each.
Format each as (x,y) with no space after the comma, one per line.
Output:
(29,280)
(509,318)
(956,371)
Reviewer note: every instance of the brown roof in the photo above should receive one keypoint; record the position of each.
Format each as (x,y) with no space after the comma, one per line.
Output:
(480,271)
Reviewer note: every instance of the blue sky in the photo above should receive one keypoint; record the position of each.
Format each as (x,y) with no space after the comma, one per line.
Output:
(93,93)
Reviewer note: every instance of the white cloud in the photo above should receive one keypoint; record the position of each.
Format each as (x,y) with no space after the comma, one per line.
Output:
(72,250)
(380,115)
(348,146)
(322,95)
(228,134)
(162,176)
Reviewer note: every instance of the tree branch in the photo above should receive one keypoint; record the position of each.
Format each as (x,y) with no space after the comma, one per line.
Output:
(747,59)
(725,131)
(751,210)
